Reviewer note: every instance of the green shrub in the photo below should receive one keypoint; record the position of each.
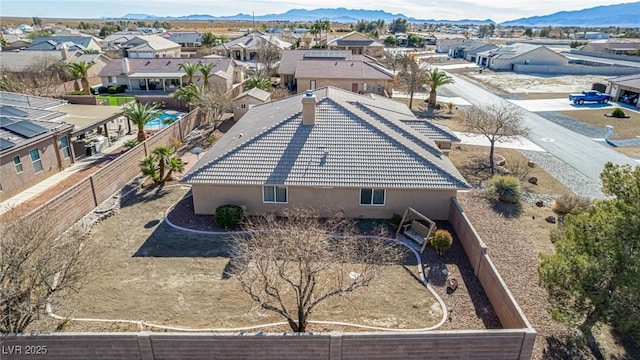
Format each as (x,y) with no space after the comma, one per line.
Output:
(396,219)
(119,89)
(112,90)
(504,188)
(79,92)
(229,216)
(103,90)
(618,113)
(130,144)
(441,241)
(564,204)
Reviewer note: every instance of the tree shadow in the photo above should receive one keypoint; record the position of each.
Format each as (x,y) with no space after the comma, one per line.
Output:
(166,241)
(563,348)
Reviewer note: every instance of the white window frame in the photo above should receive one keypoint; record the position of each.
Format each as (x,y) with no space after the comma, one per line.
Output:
(38,160)
(243,106)
(373,190)
(65,150)
(275,194)
(19,163)
(112,80)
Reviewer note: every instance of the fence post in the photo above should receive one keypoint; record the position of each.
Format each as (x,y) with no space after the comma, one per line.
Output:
(93,191)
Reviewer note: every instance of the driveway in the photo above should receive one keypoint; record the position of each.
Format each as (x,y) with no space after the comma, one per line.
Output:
(513,142)
(562,104)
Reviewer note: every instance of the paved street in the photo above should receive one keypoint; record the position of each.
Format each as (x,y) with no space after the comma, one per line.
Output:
(562,104)
(580,152)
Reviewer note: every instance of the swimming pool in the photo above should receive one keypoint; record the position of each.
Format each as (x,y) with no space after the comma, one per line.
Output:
(163,120)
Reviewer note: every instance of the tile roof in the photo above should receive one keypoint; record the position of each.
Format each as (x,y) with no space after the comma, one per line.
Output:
(511,51)
(253,41)
(432,130)
(362,41)
(255,93)
(290,58)
(50,42)
(164,65)
(13,139)
(34,102)
(356,141)
(345,69)
(184,37)
(627,80)
(154,42)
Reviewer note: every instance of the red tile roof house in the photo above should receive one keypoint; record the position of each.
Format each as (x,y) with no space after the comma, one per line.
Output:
(327,150)
(164,75)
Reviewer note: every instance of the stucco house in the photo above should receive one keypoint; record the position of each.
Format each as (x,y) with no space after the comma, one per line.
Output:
(149,47)
(186,39)
(248,99)
(613,46)
(165,75)
(508,56)
(302,70)
(74,42)
(357,43)
(327,150)
(625,89)
(469,49)
(18,61)
(247,47)
(14,41)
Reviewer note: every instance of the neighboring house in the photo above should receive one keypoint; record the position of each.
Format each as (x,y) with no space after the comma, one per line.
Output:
(31,150)
(506,57)
(15,41)
(116,40)
(75,42)
(165,74)
(593,35)
(442,136)
(248,99)
(469,49)
(358,44)
(327,150)
(247,47)
(186,39)
(18,61)
(625,89)
(302,70)
(613,46)
(149,47)
(444,42)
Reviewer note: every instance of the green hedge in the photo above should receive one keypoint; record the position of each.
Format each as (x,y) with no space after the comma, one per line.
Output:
(229,216)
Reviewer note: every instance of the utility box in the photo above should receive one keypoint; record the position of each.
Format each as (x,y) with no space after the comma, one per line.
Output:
(608,131)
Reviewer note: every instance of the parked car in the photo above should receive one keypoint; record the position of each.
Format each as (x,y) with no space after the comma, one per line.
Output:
(590,96)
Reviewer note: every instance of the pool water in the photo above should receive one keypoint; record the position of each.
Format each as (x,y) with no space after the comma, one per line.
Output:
(162,121)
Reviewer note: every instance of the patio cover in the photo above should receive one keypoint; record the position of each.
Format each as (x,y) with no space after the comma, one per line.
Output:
(157,75)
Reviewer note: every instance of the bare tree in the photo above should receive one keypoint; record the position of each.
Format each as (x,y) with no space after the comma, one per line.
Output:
(292,265)
(36,268)
(412,76)
(267,56)
(496,123)
(43,77)
(214,103)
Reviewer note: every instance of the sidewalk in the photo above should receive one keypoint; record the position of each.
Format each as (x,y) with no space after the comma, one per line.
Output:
(458,101)
(515,142)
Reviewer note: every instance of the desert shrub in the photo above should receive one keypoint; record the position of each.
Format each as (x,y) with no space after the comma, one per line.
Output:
(556,235)
(504,188)
(228,216)
(79,92)
(112,90)
(395,219)
(564,204)
(519,168)
(618,113)
(103,90)
(212,139)
(130,144)
(441,241)
(175,143)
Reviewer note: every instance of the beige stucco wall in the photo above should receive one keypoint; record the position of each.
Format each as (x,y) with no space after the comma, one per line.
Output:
(539,56)
(372,84)
(434,204)
(248,101)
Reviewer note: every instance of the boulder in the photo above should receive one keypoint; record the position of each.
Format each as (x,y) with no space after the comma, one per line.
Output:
(550,219)
(539,203)
(531,164)
(533,180)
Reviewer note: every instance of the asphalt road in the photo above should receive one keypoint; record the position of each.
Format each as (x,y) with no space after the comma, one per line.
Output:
(580,152)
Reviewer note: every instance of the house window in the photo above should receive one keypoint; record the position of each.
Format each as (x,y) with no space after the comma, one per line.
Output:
(372,196)
(243,106)
(35,160)
(18,164)
(274,194)
(312,85)
(64,147)
(111,79)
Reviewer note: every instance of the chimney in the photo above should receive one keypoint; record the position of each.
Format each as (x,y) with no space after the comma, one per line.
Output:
(65,52)
(125,66)
(309,108)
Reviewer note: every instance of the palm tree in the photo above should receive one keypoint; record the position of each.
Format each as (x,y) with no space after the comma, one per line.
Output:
(82,68)
(258,82)
(75,75)
(188,94)
(162,155)
(206,71)
(190,69)
(326,26)
(140,115)
(161,164)
(435,79)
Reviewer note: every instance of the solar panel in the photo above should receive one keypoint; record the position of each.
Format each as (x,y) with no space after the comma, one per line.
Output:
(11,111)
(325,54)
(5,121)
(5,144)
(25,128)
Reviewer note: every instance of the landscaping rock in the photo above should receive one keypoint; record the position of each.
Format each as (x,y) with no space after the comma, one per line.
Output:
(533,180)
(531,164)
(539,203)
(550,219)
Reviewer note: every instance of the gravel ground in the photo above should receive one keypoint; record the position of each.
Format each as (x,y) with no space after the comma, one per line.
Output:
(573,124)
(566,174)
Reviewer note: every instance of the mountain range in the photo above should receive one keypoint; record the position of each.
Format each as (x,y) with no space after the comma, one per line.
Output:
(620,15)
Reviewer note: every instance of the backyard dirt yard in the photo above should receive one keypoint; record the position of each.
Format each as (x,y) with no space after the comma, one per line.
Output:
(152,272)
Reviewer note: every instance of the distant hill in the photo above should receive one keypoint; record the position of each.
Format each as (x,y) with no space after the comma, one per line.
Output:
(620,15)
(338,15)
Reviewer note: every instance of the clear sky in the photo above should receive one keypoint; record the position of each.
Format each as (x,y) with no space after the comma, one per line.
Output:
(497,10)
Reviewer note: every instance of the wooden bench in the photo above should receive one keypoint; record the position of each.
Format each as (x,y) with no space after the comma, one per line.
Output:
(417,232)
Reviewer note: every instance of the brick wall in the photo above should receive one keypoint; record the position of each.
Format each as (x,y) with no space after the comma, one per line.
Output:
(506,307)
(477,344)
